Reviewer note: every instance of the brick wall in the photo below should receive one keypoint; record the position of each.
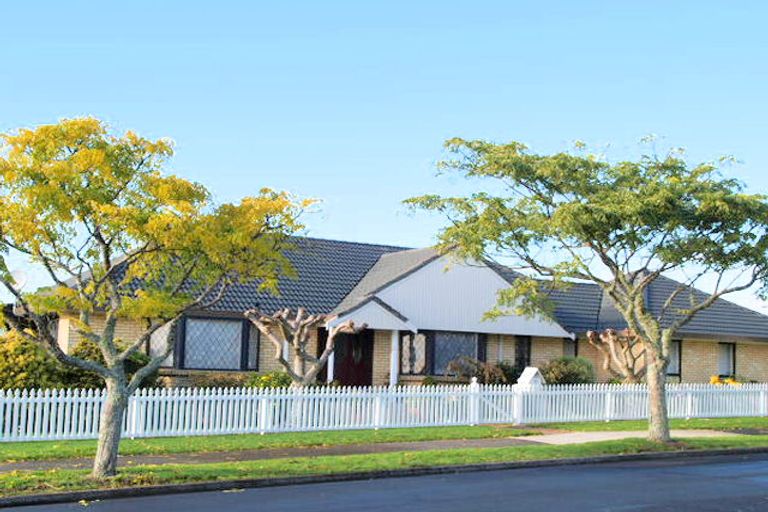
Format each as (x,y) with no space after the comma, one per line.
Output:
(587,351)
(544,350)
(126,330)
(699,360)
(382,344)
(267,361)
(590,353)
(752,361)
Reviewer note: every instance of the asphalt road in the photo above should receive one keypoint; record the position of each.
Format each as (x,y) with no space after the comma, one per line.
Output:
(706,484)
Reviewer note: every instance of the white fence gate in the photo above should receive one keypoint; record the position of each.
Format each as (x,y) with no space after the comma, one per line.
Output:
(74,414)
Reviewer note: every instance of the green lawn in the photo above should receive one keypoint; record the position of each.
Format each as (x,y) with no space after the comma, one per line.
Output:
(24,482)
(49,450)
(724,424)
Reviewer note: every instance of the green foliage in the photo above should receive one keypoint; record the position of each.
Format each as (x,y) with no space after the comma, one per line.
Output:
(275,379)
(24,365)
(574,215)
(485,373)
(88,350)
(569,370)
(429,381)
(511,372)
(218,379)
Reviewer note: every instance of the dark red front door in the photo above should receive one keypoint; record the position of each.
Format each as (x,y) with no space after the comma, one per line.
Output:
(353,359)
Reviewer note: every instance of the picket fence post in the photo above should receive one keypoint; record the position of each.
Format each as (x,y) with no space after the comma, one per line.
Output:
(688,404)
(474,402)
(73,413)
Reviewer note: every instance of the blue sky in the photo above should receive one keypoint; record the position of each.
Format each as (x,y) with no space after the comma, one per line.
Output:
(349,102)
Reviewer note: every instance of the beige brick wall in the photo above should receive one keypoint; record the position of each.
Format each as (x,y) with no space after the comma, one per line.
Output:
(126,330)
(587,351)
(752,361)
(699,360)
(543,350)
(382,344)
(499,348)
(267,361)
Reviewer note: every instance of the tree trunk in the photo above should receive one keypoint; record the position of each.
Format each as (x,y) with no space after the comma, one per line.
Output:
(110,431)
(658,422)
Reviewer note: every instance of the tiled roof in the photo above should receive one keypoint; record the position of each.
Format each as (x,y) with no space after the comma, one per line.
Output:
(327,270)
(582,307)
(390,267)
(722,319)
(576,308)
(334,276)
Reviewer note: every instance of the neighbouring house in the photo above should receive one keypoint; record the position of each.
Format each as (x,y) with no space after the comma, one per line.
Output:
(423,309)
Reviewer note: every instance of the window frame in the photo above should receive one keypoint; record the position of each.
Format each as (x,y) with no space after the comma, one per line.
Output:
(430,347)
(478,351)
(679,372)
(574,343)
(528,341)
(732,346)
(427,353)
(180,349)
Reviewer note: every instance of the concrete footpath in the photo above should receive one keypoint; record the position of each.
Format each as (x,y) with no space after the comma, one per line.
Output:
(558,438)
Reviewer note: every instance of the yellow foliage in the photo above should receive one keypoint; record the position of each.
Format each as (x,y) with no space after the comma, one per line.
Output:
(69,189)
(24,365)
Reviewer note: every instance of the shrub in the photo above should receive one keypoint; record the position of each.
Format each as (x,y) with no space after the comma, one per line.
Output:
(218,380)
(25,365)
(86,349)
(429,381)
(569,370)
(275,379)
(486,373)
(511,372)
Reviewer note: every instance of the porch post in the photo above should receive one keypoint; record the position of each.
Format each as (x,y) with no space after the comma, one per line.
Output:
(329,367)
(394,358)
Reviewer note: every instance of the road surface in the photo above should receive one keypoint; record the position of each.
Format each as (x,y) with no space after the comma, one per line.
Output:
(699,484)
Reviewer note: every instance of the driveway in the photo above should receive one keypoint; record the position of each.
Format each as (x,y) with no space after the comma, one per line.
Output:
(697,484)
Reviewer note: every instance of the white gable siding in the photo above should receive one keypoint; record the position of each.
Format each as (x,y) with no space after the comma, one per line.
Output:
(375,317)
(451,296)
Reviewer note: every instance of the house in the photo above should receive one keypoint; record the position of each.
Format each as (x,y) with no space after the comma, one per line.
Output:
(423,309)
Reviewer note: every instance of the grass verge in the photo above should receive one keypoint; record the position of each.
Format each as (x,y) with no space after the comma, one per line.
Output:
(26,482)
(723,424)
(52,450)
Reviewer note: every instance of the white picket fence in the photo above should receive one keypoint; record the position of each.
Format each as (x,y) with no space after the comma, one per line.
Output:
(74,414)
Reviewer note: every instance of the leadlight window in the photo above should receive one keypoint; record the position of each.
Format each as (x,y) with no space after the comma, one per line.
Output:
(675,353)
(213,344)
(413,354)
(253,347)
(450,346)
(522,351)
(570,348)
(726,361)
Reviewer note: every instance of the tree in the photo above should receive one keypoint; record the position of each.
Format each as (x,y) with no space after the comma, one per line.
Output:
(120,240)
(621,225)
(622,353)
(286,328)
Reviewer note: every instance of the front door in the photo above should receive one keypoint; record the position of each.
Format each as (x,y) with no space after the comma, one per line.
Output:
(353,359)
